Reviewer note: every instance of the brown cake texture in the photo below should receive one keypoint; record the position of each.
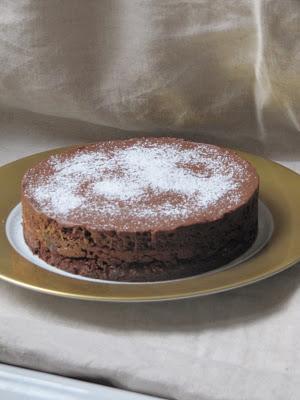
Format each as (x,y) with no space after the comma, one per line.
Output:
(136,210)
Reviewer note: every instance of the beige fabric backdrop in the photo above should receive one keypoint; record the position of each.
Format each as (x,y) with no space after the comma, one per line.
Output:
(223,71)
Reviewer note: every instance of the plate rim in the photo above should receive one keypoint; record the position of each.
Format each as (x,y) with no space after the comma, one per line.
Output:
(275,181)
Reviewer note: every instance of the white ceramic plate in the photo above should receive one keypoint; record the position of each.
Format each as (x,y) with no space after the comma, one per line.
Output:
(14,232)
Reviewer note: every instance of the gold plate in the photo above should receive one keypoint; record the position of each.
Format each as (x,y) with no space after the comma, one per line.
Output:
(279,190)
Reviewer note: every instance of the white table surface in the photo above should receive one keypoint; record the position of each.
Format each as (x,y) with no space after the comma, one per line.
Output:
(23,384)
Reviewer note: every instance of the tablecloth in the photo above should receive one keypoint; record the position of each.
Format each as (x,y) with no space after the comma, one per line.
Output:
(243,344)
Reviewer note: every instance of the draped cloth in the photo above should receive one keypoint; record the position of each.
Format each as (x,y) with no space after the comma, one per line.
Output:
(224,71)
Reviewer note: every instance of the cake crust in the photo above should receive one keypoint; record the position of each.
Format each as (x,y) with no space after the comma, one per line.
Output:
(146,246)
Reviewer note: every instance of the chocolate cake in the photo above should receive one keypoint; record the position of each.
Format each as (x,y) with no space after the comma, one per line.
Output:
(145,209)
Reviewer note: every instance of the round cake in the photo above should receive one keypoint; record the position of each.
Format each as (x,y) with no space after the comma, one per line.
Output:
(146,209)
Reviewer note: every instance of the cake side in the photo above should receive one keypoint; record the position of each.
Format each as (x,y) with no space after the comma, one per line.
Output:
(142,256)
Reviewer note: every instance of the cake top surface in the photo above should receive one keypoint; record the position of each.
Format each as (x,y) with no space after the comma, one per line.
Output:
(140,184)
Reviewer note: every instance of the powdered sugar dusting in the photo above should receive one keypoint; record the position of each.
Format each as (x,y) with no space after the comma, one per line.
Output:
(146,180)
